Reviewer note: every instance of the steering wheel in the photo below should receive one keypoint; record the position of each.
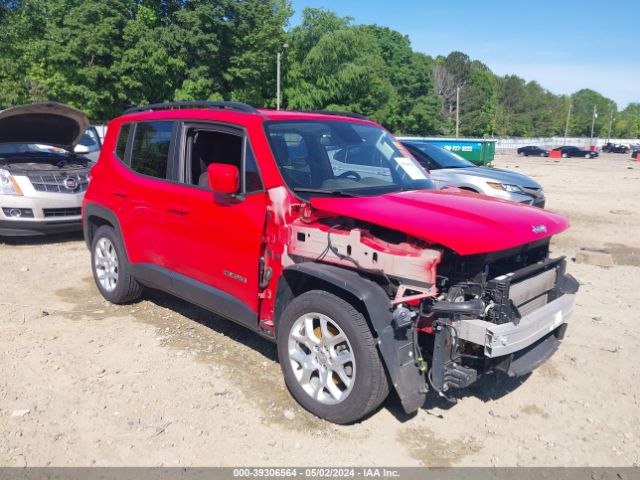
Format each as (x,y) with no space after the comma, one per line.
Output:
(350,173)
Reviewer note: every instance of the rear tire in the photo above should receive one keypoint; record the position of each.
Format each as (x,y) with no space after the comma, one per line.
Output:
(111,270)
(329,358)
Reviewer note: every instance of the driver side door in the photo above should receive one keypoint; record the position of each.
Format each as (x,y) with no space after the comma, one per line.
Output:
(215,242)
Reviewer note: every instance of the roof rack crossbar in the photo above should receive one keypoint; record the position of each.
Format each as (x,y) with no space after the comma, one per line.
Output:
(337,113)
(237,106)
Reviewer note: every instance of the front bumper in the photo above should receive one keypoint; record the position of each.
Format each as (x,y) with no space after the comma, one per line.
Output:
(24,228)
(507,338)
(47,213)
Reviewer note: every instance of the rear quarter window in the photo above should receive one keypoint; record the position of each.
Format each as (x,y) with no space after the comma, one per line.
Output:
(123,138)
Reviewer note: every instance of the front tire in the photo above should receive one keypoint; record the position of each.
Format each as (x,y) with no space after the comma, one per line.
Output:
(111,270)
(564,155)
(329,358)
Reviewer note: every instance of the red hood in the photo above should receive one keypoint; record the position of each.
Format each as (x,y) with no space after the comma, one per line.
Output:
(467,223)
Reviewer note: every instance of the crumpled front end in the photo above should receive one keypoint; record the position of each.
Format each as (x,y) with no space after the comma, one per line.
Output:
(445,318)
(512,322)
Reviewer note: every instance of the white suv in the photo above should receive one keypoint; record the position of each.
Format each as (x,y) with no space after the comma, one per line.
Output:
(44,171)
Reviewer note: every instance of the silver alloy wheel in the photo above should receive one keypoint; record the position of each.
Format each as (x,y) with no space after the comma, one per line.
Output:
(322,358)
(106,264)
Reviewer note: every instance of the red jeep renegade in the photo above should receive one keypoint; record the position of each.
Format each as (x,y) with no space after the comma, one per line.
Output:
(320,232)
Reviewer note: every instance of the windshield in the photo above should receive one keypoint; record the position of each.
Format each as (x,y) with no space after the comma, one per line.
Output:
(90,140)
(342,158)
(441,157)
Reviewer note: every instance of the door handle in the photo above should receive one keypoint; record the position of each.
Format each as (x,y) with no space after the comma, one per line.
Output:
(119,194)
(178,210)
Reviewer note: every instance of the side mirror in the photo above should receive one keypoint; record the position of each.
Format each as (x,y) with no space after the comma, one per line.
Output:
(81,149)
(223,179)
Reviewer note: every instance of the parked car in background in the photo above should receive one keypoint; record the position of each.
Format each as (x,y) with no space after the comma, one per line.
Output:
(448,169)
(615,148)
(570,151)
(532,150)
(89,144)
(365,283)
(42,179)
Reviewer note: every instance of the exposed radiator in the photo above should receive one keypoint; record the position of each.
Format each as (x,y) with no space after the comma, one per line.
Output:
(527,290)
(533,287)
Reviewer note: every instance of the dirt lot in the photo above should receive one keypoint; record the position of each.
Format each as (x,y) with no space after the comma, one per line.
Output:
(160,382)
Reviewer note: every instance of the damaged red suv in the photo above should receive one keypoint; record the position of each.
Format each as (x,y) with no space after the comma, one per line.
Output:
(320,232)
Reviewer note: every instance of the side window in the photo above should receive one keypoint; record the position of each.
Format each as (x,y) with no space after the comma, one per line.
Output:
(422,158)
(150,152)
(123,138)
(205,147)
(428,162)
(365,155)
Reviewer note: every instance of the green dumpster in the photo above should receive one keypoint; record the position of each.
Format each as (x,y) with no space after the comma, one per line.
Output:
(480,152)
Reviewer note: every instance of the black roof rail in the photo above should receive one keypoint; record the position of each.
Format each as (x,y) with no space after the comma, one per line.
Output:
(237,106)
(341,114)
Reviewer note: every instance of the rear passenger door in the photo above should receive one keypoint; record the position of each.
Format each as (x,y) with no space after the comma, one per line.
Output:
(142,189)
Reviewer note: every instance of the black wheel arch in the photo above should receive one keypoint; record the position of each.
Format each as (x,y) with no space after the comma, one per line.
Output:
(93,217)
(395,344)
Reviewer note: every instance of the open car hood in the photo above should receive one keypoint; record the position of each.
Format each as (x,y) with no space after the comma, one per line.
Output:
(467,223)
(45,123)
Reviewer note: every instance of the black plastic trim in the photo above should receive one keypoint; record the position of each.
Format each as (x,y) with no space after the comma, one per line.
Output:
(198,293)
(237,106)
(337,114)
(528,359)
(94,210)
(25,228)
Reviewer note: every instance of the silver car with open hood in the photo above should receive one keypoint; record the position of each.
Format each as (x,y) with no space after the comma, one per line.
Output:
(42,179)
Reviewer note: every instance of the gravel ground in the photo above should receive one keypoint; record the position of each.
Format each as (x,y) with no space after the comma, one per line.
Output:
(164,383)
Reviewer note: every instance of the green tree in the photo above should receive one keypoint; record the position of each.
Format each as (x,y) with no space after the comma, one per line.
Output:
(344,71)
(584,102)
(414,106)
(478,104)
(104,56)
(21,27)
(627,122)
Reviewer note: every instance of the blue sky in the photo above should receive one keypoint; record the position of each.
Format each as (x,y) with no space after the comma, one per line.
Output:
(564,45)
